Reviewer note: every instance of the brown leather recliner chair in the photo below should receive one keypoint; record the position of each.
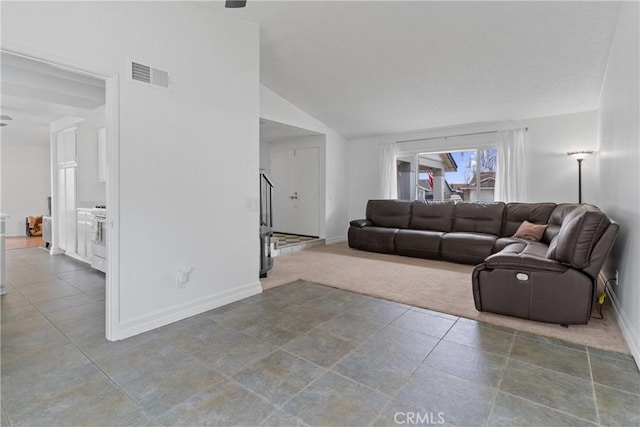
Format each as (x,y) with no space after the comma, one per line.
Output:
(554,283)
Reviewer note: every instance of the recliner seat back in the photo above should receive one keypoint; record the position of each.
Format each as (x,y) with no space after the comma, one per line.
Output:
(580,231)
(389,213)
(555,220)
(516,213)
(433,216)
(473,217)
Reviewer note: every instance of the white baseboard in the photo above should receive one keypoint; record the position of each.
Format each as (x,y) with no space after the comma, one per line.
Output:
(628,331)
(169,315)
(332,240)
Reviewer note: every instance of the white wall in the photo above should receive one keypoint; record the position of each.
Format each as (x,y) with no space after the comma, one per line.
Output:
(265,156)
(619,139)
(292,144)
(275,108)
(177,209)
(26,182)
(551,174)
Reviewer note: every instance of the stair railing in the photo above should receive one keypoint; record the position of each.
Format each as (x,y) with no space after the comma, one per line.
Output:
(266,199)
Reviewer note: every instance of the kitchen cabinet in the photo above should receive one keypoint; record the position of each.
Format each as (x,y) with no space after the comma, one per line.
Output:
(84,222)
(67,167)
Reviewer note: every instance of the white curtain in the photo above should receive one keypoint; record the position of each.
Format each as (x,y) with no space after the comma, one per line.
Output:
(511,175)
(388,172)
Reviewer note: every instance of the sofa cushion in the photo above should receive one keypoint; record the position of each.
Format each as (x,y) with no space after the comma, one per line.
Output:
(373,239)
(389,213)
(516,213)
(529,231)
(467,248)
(433,216)
(555,220)
(419,243)
(503,242)
(580,231)
(525,256)
(483,218)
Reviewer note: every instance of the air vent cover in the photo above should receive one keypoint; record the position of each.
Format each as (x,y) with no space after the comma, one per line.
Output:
(153,76)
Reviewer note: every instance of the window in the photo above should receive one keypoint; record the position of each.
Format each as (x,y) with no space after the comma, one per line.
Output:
(456,175)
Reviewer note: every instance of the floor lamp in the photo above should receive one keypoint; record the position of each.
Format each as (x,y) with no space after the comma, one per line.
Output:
(579,156)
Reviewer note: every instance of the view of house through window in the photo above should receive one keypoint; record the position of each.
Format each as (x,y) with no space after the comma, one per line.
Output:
(457,175)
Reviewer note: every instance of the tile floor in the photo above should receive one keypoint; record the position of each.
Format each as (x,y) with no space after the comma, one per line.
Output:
(300,354)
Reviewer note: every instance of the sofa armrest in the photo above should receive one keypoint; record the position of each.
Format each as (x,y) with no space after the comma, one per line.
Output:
(360,223)
(523,261)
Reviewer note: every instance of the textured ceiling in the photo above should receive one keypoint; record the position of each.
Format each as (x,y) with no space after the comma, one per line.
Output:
(366,68)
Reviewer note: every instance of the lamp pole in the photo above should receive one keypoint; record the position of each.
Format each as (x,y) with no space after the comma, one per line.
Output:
(580,180)
(579,156)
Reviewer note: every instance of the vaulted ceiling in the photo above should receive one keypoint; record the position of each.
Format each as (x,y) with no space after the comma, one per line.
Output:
(370,67)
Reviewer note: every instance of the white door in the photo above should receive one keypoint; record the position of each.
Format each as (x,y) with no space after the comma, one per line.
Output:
(282,176)
(306,183)
(296,178)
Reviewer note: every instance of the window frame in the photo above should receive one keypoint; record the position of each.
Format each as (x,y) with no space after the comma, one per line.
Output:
(475,142)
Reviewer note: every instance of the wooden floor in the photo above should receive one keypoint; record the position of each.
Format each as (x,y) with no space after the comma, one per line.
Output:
(18,242)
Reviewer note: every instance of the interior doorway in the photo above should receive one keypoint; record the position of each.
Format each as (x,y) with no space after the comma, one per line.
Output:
(70,108)
(294,159)
(295,175)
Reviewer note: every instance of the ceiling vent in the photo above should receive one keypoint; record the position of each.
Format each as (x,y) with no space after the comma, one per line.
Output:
(149,75)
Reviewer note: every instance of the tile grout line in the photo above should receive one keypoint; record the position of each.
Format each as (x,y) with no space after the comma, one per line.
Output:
(554,372)
(6,414)
(593,388)
(404,382)
(607,385)
(330,368)
(549,407)
(495,394)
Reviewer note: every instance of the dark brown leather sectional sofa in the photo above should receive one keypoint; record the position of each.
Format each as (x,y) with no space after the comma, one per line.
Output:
(553,280)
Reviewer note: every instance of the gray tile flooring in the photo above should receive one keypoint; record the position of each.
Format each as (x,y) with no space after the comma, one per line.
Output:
(300,354)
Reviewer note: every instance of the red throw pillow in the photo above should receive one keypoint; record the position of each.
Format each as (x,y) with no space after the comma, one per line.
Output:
(530,231)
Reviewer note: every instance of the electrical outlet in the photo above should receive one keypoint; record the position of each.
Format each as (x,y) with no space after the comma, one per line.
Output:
(182,277)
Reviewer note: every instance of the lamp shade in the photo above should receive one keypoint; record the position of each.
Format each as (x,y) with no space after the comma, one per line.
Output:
(580,154)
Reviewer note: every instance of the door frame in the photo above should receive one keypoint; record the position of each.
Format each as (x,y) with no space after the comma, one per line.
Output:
(112,283)
(296,229)
(319,144)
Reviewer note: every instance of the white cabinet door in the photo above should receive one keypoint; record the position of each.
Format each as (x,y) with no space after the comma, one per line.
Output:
(67,168)
(84,233)
(70,209)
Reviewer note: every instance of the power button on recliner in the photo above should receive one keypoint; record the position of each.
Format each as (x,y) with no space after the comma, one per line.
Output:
(522,276)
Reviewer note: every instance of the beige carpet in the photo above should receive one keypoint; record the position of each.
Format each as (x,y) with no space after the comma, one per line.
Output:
(435,285)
